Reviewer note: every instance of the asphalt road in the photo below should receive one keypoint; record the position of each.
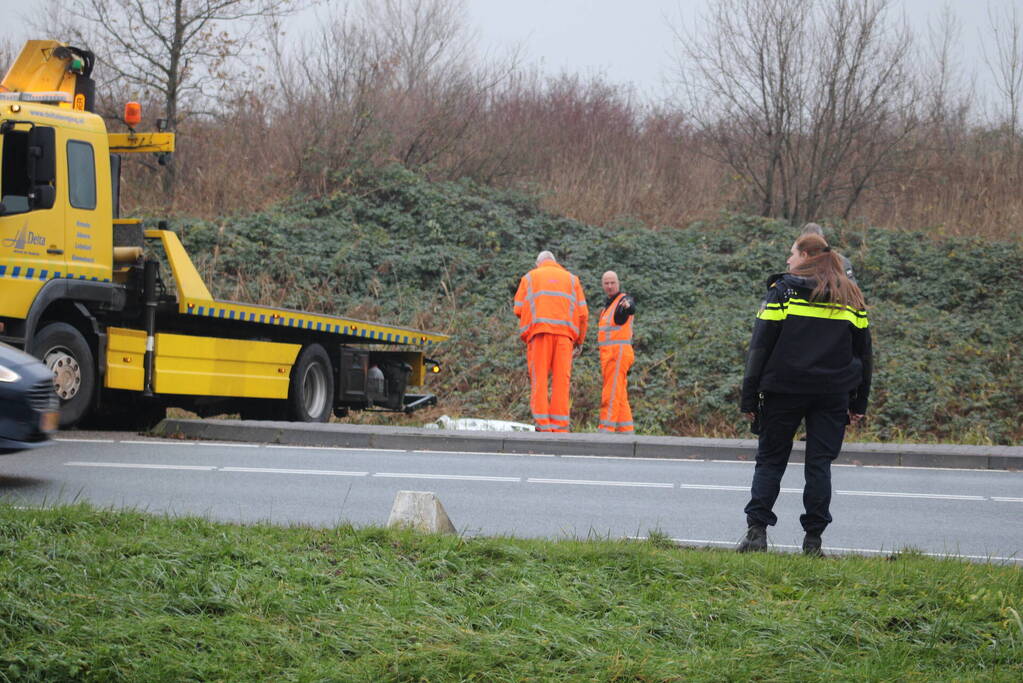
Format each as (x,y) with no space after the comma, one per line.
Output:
(977,514)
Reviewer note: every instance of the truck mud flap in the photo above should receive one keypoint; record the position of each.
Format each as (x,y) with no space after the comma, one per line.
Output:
(411,403)
(414,402)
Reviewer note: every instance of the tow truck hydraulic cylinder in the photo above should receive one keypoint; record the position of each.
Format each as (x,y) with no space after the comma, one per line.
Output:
(149,292)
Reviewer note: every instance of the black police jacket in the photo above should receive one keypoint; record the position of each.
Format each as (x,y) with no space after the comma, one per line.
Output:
(801,346)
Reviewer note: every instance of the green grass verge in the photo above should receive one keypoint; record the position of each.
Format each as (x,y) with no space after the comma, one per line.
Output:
(102,595)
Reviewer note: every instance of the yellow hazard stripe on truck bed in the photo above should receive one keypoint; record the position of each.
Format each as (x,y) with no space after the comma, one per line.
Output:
(282,317)
(195,299)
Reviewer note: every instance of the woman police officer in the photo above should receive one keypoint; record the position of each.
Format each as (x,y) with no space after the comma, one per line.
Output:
(809,358)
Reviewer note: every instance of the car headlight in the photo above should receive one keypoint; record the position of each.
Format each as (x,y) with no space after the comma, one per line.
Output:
(8,375)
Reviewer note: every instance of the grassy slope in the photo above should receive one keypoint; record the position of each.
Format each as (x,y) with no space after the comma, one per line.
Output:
(945,313)
(87,595)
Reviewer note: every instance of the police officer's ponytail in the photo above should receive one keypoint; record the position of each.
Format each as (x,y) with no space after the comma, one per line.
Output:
(825,267)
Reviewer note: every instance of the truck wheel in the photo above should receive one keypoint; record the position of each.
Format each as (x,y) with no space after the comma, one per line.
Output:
(63,349)
(311,392)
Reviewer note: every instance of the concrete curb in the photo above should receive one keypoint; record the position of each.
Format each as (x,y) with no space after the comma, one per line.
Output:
(412,439)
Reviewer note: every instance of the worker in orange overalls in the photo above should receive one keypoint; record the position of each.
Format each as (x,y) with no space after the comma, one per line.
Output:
(614,341)
(552,321)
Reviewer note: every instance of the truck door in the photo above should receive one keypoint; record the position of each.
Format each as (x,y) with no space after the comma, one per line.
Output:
(32,221)
(89,215)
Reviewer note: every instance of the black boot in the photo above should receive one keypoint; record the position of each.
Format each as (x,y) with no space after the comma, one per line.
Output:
(754,541)
(812,544)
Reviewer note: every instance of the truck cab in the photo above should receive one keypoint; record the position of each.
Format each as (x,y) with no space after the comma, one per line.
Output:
(55,202)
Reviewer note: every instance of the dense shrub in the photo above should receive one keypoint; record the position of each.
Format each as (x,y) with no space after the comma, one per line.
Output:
(448,256)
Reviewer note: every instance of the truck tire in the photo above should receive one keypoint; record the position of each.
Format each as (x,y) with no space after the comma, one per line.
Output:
(63,349)
(311,391)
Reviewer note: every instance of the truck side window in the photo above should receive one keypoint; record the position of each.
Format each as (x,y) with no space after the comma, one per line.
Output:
(14,181)
(81,171)
(115,183)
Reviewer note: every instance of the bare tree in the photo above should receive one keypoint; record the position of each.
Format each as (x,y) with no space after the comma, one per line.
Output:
(176,51)
(427,39)
(332,83)
(400,77)
(947,91)
(808,101)
(8,53)
(1004,57)
(440,85)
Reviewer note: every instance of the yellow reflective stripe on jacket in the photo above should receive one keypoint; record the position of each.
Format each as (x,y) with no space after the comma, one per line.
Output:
(772,312)
(814,309)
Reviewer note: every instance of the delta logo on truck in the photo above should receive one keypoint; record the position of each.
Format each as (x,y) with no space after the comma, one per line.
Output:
(25,236)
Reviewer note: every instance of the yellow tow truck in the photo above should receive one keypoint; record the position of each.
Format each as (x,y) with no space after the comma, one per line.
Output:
(84,290)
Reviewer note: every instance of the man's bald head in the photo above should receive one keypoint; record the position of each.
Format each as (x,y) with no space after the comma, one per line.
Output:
(813,229)
(545,256)
(609,281)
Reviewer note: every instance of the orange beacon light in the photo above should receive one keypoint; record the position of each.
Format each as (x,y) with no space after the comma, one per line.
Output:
(132,114)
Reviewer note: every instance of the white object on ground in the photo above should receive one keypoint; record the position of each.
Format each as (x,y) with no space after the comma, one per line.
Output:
(479,425)
(420,510)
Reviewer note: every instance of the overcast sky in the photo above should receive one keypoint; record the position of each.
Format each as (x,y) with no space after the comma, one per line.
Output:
(628,41)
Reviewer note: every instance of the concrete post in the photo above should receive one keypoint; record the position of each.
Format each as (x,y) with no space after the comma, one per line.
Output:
(420,510)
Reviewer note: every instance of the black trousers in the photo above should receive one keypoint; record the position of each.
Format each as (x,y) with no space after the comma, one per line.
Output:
(826,416)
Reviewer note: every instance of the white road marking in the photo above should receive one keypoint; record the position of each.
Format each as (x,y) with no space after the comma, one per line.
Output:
(318,448)
(586,482)
(791,464)
(533,480)
(868,467)
(713,487)
(899,494)
(631,457)
(342,449)
(145,466)
(275,470)
(853,551)
(457,477)
(936,469)
(886,494)
(229,445)
(86,440)
(528,455)
(541,455)
(723,487)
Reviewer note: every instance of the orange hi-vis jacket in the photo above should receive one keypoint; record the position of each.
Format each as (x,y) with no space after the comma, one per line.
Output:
(550,300)
(609,334)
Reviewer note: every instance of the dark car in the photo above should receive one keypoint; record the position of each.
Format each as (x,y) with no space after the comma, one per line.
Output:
(28,405)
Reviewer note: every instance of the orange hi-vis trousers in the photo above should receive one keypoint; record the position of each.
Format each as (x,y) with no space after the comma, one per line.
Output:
(550,355)
(615,413)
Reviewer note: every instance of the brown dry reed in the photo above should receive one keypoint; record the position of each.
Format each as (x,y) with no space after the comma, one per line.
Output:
(587,150)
